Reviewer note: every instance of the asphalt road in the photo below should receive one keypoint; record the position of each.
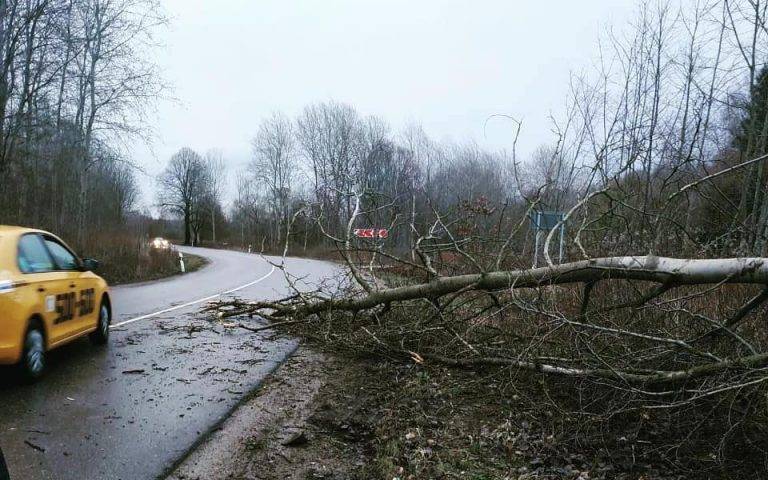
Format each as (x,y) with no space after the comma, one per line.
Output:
(169,375)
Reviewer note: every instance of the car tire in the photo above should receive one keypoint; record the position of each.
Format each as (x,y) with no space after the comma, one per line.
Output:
(100,336)
(33,360)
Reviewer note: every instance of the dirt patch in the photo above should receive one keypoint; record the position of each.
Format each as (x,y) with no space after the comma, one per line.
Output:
(274,434)
(322,416)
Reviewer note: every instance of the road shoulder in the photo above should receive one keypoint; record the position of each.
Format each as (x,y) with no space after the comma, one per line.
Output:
(274,434)
(192,264)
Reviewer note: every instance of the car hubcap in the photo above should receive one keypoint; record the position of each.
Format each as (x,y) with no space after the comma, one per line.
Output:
(104,320)
(35,352)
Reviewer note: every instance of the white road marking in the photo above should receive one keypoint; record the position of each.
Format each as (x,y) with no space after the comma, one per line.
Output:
(194,302)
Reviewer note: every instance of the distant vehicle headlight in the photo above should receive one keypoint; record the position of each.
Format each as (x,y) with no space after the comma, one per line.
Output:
(160,243)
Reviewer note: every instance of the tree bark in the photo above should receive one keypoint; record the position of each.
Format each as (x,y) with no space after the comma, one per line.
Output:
(187,234)
(668,271)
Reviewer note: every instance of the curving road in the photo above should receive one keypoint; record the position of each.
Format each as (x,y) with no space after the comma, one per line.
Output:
(132,410)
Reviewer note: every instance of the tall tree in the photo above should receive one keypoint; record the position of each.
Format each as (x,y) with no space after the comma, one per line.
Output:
(216,166)
(183,187)
(274,166)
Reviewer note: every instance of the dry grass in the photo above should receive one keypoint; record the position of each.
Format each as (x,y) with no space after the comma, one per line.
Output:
(127,258)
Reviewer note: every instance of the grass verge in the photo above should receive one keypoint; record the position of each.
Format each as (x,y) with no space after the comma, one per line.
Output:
(128,259)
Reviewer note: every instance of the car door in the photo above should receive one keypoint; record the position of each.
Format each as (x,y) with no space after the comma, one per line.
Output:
(41,274)
(78,303)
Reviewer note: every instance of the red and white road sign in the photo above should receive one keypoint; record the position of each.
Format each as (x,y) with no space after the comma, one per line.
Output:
(371,232)
(364,232)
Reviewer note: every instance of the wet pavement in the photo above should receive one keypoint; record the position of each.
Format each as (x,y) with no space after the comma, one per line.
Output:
(133,409)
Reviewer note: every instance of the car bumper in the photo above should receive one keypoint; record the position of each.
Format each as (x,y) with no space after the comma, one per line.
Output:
(10,354)
(11,334)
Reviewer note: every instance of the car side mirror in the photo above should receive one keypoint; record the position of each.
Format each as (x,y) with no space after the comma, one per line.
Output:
(90,264)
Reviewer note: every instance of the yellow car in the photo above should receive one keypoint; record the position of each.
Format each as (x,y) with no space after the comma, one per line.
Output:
(48,297)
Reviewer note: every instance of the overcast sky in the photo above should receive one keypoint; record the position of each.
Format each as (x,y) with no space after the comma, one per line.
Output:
(446,64)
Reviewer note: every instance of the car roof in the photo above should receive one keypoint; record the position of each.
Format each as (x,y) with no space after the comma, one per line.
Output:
(10,229)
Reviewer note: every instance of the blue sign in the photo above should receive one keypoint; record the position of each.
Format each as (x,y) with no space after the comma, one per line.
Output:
(545,220)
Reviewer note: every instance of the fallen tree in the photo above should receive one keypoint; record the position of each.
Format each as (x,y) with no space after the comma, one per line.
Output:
(670,272)
(667,273)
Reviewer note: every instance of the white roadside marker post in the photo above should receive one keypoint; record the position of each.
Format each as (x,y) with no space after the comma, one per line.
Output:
(181,262)
(249,248)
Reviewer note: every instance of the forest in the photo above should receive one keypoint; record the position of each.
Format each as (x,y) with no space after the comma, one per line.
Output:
(657,150)
(676,97)
(74,87)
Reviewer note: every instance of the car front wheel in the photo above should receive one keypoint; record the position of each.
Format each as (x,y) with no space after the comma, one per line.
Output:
(101,335)
(33,359)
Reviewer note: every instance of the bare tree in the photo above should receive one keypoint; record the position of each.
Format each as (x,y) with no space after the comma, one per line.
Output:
(274,165)
(217,183)
(330,136)
(183,187)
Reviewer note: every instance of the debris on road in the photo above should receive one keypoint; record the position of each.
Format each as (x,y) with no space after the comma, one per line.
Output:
(34,447)
(269,424)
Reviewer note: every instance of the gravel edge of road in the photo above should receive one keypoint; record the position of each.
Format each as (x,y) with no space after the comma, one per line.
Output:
(278,407)
(210,436)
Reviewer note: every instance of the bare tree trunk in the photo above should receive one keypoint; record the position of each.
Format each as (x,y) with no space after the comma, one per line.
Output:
(187,229)
(667,271)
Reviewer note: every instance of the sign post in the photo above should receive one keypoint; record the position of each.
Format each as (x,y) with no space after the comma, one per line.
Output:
(543,222)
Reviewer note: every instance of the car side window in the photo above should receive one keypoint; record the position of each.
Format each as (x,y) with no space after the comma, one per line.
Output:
(33,256)
(64,259)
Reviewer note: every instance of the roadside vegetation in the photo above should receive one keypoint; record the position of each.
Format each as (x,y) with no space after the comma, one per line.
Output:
(127,259)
